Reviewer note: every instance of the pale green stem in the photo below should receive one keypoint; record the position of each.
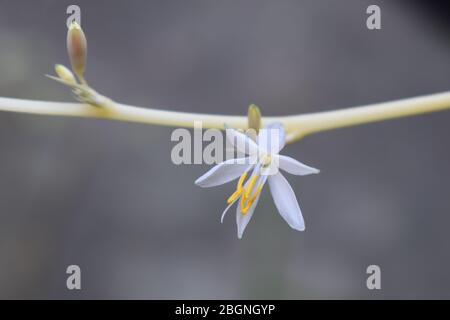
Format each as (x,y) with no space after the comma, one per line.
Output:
(297,126)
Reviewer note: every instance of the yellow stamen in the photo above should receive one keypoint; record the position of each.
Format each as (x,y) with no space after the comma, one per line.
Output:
(250,186)
(245,208)
(234,196)
(243,198)
(241,181)
(239,189)
(247,190)
(247,197)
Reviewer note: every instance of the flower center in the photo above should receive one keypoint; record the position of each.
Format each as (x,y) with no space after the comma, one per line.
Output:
(266,160)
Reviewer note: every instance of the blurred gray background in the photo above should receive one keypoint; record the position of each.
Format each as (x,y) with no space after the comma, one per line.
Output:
(104,195)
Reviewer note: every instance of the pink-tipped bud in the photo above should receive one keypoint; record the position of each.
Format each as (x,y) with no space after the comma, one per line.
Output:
(77,49)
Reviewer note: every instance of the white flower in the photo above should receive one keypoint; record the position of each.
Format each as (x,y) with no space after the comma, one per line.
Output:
(264,159)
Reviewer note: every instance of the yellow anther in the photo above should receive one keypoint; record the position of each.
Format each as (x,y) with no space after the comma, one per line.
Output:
(243,198)
(250,185)
(241,181)
(247,197)
(234,196)
(239,189)
(245,208)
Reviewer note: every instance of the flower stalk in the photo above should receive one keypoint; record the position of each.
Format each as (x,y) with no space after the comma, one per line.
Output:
(296,126)
(94,105)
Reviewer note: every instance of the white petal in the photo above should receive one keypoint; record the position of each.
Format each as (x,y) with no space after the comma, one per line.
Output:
(286,202)
(224,172)
(271,139)
(243,219)
(293,166)
(241,142)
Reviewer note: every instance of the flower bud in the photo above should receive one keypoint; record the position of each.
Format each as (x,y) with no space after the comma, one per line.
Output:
(254,118)
(77,49)
(65,74)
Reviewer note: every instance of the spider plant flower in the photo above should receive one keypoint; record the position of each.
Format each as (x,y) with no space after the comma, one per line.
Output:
(260,165)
